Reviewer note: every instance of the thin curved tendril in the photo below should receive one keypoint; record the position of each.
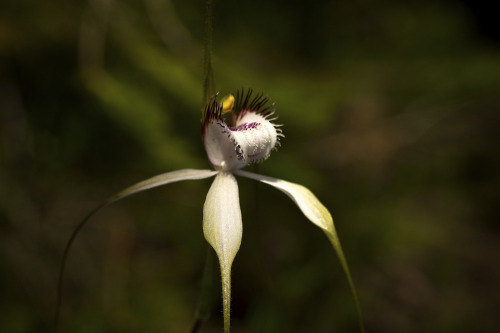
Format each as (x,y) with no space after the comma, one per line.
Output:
(332,237)
(64,259)
(159,180)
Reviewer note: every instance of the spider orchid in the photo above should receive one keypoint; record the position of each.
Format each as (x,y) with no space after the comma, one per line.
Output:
(236,132)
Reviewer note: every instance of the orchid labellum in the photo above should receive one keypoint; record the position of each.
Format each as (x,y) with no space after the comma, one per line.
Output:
(236,132)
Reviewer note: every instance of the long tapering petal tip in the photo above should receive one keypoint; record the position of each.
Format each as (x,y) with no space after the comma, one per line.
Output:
(317,213)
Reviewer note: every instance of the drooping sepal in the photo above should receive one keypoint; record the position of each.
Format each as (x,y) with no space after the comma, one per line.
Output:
(223,230)
(318,214)
(159,180)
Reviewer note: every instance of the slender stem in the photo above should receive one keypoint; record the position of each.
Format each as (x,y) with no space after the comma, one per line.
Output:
(206,300)
(226,298)
(208,75)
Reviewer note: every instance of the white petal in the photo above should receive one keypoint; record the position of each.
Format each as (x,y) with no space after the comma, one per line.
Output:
(223,229)
(221,147)
(163,179)
(159,180)
(312,208)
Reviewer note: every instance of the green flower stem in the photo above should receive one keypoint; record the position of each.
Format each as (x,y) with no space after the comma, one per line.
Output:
(208,80)
(226,298)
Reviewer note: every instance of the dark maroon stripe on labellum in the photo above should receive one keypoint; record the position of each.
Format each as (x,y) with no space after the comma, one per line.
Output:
(245,126)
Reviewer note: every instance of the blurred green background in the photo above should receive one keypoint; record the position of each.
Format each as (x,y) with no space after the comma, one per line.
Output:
(391,114)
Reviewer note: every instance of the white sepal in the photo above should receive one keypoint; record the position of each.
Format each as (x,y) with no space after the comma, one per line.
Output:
(223,229)
(314,210)
(221,146)
(162,179)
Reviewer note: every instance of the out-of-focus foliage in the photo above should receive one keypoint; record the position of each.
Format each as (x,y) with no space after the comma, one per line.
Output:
(390,109)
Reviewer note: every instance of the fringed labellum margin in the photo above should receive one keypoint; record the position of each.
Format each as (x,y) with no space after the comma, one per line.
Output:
(235,138)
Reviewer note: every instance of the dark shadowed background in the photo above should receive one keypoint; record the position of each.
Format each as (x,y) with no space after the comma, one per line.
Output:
(391,113)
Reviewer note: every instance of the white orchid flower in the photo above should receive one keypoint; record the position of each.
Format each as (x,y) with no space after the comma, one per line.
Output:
(236,132)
